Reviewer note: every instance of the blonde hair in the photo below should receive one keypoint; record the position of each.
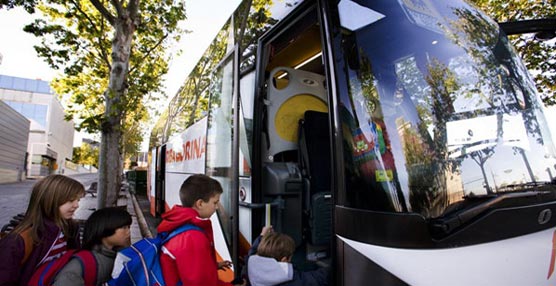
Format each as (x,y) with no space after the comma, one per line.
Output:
(46,198)
(276,245)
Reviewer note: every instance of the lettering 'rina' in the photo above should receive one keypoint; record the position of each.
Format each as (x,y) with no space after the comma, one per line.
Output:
(191,150)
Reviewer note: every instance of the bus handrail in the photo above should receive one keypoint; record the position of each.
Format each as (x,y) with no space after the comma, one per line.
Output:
(278,202)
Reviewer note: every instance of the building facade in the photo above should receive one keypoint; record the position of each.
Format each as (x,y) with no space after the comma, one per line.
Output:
(50,141)
(14,136)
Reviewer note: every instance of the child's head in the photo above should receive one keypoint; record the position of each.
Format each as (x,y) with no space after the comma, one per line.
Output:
(49,196)
(276,245)
(54,198)
(50,193)
(108,226)
(201,193)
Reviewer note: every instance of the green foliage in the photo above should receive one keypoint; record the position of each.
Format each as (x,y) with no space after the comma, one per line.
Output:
(78,38)
(86,155)
(113,54)
(537,55)
(28,5)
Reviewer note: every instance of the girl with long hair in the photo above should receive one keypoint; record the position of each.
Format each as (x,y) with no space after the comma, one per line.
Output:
(46,231)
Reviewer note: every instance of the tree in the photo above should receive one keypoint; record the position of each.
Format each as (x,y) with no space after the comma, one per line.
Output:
(86,155)
(537,55)
(113,54)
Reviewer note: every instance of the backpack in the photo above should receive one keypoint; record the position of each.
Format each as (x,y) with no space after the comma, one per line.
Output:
(139,264)
(44,275)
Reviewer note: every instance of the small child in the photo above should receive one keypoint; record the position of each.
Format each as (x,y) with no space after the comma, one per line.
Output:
(271,265)
(106,231)
(45,233)
(189,258)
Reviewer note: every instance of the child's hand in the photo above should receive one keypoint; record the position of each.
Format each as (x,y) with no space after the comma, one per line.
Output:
(266,230)
(223,265)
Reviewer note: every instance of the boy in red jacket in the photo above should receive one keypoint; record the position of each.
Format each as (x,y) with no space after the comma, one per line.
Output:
(190,257)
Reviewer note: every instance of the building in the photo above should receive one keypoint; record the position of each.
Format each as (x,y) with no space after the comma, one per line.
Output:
(14,135)
(50,136)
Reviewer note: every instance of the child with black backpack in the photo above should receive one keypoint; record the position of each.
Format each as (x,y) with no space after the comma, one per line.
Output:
(46,232)
(106,231)
(189,258)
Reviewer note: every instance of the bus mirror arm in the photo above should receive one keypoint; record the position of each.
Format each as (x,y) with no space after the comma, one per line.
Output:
(544,29)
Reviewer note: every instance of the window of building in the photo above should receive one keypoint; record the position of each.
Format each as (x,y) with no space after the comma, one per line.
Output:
(36,112)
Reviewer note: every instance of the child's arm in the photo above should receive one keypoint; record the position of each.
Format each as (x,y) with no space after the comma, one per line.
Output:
(266,229)
(12,249)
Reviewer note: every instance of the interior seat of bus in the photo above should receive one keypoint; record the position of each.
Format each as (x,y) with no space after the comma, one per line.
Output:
(297,168)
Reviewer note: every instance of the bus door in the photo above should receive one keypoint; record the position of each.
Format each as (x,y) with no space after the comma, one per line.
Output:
(294,155)
(219,159)
(160,180)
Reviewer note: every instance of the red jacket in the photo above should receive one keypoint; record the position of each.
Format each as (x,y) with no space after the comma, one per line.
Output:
(189,257)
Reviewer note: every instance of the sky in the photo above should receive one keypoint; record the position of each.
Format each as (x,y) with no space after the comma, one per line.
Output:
(19,58)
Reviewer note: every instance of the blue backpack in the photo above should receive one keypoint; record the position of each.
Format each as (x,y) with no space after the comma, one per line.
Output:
(139,264)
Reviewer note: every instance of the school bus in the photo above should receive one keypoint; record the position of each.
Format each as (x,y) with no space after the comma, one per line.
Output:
(397,142)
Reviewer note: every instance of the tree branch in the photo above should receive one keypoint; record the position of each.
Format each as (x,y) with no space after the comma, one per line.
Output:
(147,54)
(104,12)
(103,54)
(119,8)
(132,9)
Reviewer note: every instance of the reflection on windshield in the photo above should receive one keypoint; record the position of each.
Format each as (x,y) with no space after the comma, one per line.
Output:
(438,111)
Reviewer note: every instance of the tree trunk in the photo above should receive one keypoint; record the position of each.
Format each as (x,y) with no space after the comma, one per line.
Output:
(110,168)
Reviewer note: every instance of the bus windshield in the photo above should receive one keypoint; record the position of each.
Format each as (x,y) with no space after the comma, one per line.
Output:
(437,108)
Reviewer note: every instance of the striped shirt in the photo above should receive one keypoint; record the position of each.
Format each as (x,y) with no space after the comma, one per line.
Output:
(58,248)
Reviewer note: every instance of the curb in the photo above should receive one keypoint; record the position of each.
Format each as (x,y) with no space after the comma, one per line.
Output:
(143,226)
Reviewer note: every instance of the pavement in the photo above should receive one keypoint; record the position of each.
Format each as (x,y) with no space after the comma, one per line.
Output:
(14,198)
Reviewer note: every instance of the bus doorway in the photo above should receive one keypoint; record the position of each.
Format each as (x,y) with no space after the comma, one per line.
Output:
(294,151)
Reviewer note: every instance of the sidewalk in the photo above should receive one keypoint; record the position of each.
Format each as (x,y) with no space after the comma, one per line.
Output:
(88,205)
(144,205)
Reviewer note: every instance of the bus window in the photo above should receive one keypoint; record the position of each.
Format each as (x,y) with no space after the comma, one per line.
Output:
(219,137)
(438,113)
(247,93)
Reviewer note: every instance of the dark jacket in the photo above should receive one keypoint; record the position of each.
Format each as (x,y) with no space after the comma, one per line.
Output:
(265,271)
(12,250)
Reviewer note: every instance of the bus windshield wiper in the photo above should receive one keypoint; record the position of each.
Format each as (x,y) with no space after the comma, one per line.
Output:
(447,224)
(525,187)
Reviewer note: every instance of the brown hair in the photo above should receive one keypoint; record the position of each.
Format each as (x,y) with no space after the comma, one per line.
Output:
(198,187)
(46,198)
(276,245)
